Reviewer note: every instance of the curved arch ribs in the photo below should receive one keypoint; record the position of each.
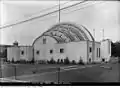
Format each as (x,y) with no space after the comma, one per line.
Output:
(67,32)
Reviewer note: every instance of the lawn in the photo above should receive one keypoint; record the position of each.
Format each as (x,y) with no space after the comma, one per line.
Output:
(8,70)
(48,73)
(88,74)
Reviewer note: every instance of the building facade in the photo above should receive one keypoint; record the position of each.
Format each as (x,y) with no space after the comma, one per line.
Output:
(105,50)
(18,53)
(67,40)
(63,40)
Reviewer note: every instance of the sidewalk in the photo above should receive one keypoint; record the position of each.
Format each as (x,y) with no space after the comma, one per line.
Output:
(11,80)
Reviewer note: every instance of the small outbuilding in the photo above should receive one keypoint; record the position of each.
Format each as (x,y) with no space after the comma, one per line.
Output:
(17,53)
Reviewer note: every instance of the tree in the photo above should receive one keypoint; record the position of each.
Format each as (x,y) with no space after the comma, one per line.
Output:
(115,49)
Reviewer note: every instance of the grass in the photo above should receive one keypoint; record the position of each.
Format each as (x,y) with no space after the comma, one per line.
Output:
(24,69)
(91,74)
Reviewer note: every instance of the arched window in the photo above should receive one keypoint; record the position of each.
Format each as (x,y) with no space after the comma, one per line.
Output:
(90,49)
(22,52)
(44,40)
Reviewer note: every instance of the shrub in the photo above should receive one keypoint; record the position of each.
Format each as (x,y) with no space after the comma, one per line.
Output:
(66,61)
(22,61)
(52,61)
(81,61)
(17,62)
(58,61)
(33,61)
(73,62)
(48,61)
(12,60)
(61,61)
(41,62)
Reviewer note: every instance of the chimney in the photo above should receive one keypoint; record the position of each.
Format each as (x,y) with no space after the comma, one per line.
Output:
(15,43)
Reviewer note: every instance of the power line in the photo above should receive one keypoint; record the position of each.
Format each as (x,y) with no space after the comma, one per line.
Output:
(83,7)
(42,15)
(62,13)
(71,11)
(43,10)
(46,9)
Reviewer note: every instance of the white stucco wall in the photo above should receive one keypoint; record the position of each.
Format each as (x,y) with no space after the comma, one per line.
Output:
(97,52)
(28,53)
(43,48)
(72,50)
(13,53)
(57,54)
(106,49)
(75,50)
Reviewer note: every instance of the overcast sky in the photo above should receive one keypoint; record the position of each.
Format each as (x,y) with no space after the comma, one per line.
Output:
(95,15)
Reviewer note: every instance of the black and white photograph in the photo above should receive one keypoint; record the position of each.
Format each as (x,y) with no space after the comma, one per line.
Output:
(59,42)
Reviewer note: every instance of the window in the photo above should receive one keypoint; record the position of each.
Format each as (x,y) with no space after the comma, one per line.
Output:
(51,51)
(37,52)
(22,52)
(44,40)
(61,50)
(99,52)
(90,49)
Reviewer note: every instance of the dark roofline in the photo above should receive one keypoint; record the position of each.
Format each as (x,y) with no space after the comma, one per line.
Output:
(25,46)
(1,45)
(105,39)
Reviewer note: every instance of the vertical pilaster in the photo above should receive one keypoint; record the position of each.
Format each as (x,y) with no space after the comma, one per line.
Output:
(93,51)
(87,51)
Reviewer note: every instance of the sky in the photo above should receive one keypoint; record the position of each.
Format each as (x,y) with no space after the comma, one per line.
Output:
(97,15)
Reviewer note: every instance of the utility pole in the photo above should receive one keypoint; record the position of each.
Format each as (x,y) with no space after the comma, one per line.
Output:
(103,34)
(14,67)
(1,67)
(58,75)
(59,11)
(94,33)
